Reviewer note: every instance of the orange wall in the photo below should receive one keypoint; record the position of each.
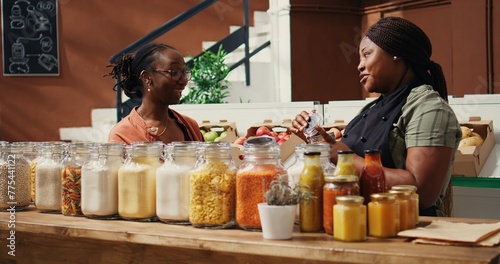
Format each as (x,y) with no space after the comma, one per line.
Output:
(34,108)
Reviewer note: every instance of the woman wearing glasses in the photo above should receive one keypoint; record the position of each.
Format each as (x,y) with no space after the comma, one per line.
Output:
(411,122)
(156,73)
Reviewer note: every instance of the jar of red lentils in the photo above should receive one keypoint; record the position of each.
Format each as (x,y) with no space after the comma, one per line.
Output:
(260,166)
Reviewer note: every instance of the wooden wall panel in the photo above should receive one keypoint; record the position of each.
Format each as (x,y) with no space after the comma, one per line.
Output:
(34,108)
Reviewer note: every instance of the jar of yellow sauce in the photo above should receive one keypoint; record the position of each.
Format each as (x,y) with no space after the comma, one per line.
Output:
(406,214)
(383,215)
(414,197)
(345,163)
(349,218)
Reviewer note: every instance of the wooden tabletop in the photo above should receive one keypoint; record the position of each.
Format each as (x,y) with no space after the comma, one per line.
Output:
(52,238)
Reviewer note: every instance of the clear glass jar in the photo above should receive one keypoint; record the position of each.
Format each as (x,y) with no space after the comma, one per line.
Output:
(345,163)
(383,215)
(336,186)
(372,179)
(77,155)
(212,187)
(349,218)
(100,181)
(261,165)
(34,162)
(312,180)
(15,189)
(406,214)
(414,197)
(172,182)
(137,181)
(48,181)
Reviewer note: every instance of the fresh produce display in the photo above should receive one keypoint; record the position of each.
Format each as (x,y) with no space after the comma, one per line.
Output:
(280,136)
(218,131)
(470,138)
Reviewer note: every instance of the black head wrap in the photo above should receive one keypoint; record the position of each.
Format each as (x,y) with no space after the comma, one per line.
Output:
(402,38)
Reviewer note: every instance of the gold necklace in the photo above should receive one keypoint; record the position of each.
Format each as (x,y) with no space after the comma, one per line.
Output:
(165,129)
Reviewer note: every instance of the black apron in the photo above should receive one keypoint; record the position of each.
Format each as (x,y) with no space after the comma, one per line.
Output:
(370,129)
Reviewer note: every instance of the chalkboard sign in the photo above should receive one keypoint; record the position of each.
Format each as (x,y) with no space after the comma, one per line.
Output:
(29,35)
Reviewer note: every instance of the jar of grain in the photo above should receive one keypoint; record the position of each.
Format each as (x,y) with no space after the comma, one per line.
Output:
(15,190)
(137,181)
(48,178)
(172,182)
(100,181)
(77,155)
(212,187)
(34,162)
(260,166)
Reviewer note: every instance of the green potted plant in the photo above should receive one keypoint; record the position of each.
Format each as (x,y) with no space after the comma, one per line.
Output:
(277,213)
(209,74)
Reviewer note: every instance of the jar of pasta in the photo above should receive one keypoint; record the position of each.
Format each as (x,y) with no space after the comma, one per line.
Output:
(336,186)
(15,194)
(48,180)
(383,215)
(212,187)
(137,181)
(100,181)
(349,218)
(260,166)
(77,155)
(172,182)
(414,197)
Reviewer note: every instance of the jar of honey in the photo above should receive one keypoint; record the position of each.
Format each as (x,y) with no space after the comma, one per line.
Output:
(349,218)
(414,197)
(336,186)
(406,214)
(383,215)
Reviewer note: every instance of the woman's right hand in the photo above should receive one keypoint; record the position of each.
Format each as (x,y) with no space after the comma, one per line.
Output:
(299,124)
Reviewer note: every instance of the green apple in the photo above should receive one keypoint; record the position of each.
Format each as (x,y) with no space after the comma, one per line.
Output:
(223,134)
(210,136)
(203,131)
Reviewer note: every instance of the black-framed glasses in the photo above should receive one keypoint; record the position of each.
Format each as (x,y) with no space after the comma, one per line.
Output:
(176,75)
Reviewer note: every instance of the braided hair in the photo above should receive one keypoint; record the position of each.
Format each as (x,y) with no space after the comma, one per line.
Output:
(402,38)
(128,67)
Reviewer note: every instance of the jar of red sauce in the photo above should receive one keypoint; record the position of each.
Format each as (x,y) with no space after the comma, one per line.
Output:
(372,178)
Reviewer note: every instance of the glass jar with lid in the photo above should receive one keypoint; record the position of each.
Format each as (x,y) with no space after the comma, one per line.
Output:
(383,215)
(137,181)
(212,187)
(345,163)
(261,165)
(15,189)
(312,180)
(172,182)
(77,155)
(336,186)
(100,181)
(37,148)
(406,214)
(414,197)
(48,182)
(349,218)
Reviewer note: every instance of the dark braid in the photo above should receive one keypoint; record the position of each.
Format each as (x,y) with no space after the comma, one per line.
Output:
(402,38)
(128,67)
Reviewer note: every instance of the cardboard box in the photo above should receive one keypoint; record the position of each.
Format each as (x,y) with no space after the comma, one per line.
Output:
(219,127)
(338,124)
(288,147)
(469,160)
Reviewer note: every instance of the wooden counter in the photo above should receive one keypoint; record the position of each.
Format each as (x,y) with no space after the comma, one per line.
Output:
(49,238)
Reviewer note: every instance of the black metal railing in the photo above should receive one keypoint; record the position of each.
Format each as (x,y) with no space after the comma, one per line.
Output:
(229,44)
